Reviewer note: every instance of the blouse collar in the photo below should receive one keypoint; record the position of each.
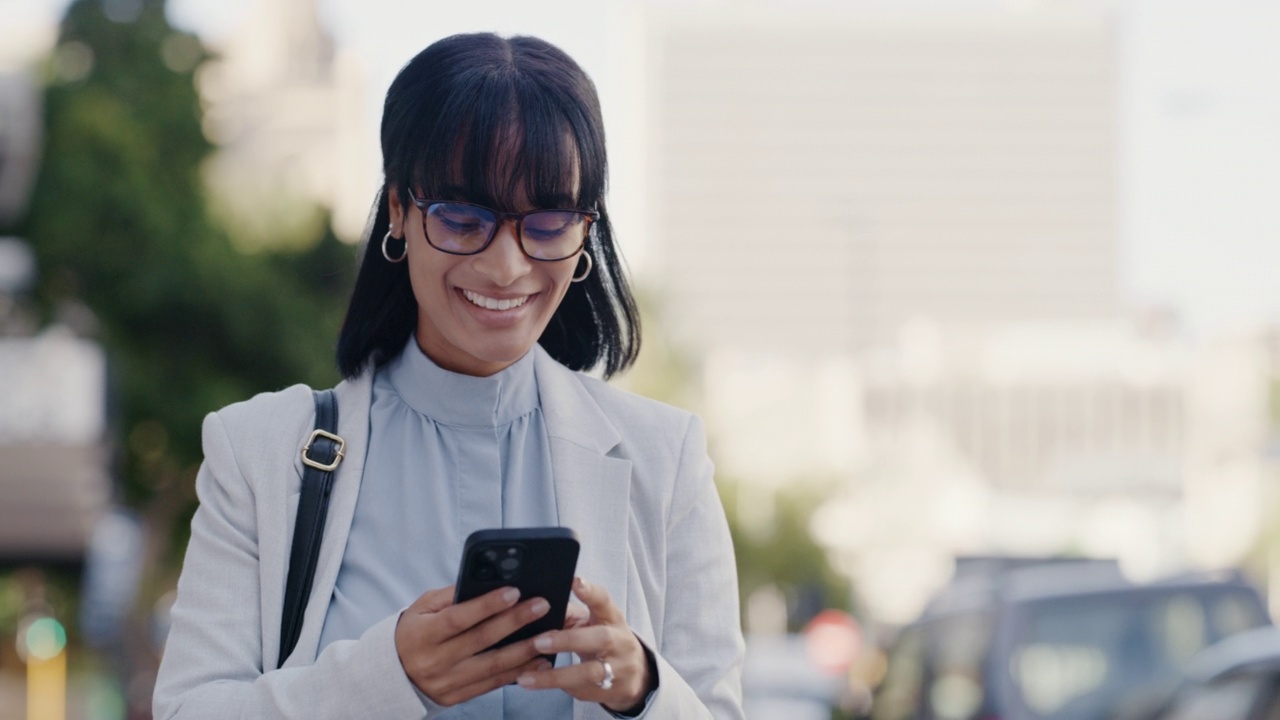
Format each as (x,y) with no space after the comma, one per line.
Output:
(456,399)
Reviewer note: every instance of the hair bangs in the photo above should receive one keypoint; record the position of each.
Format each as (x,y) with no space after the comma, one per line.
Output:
(510,145)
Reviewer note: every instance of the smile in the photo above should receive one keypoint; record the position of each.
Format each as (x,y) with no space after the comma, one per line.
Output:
(489,303)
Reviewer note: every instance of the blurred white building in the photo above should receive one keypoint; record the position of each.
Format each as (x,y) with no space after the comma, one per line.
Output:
(55,479)
(287,112)
(1095,439)
(893,236)
(822,175)
(54,474)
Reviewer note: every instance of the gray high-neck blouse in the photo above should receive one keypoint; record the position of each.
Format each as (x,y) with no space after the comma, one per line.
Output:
(448,454)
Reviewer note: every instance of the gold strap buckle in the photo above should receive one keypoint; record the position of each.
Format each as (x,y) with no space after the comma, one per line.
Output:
(337,454)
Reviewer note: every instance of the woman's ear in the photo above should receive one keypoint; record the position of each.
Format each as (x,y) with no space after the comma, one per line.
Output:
(396,211)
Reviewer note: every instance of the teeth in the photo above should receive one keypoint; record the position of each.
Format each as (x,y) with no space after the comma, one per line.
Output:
(489,303)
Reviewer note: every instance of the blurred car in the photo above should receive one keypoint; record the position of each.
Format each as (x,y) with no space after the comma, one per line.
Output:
(780,681)
(1056,640)
(1236,679)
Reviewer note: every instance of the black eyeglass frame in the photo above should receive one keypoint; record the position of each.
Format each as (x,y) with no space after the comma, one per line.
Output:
(425,204)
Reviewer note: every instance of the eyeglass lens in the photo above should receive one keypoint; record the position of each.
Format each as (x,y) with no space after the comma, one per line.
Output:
(464,229)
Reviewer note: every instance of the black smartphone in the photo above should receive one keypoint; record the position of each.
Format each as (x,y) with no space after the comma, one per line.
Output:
(539,561)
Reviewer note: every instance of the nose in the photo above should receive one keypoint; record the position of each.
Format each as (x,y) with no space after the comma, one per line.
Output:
(504,261)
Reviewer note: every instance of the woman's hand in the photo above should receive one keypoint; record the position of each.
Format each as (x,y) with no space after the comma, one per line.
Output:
(603,637)
(442,645)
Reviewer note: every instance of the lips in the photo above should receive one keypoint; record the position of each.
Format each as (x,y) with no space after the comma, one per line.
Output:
(498,304)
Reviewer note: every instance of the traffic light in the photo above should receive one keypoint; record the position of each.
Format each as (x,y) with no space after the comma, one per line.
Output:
(42,643)
(44,639)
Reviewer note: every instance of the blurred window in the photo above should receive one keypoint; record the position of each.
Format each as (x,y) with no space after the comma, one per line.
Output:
(959,645)
(1078,658)
(1231,698)
(1185,628)
(1233,613)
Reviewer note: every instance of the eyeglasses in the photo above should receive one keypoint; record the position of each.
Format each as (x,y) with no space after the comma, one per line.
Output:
(462,228)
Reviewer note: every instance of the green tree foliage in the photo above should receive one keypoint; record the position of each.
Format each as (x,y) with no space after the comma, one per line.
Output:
(784,554)
(119,224)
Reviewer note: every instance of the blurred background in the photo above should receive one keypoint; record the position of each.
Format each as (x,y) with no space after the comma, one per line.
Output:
(965,290)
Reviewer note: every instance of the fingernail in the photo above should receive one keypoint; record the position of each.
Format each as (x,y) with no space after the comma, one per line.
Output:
(582,584)
(540,607)
(525,681)
(511,595)
(543,643)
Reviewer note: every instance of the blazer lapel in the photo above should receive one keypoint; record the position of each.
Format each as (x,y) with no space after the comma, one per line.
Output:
(592,488)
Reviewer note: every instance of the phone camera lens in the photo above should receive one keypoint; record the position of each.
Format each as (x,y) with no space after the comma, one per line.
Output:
(491,555)
(509,563)
(484,572)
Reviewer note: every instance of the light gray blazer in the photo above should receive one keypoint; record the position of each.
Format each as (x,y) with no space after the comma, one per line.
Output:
(632,478)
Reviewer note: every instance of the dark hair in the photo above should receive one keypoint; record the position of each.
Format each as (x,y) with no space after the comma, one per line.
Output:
(495,121)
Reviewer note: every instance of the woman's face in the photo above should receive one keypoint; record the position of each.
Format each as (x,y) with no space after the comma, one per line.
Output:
(454,328)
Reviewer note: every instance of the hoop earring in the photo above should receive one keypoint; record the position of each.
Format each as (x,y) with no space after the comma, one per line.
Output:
(585,273)
(387,255)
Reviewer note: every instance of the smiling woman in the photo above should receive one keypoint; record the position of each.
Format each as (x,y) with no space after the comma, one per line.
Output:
(490,280)
(517,142)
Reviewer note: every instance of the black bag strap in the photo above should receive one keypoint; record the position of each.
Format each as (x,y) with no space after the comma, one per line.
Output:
(320,457)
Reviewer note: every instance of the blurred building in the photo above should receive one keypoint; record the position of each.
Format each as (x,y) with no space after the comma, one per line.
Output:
(1097,438)
(54,462)
(287,113)
(893,236)
(1081,408)
(55,482)
(820,176)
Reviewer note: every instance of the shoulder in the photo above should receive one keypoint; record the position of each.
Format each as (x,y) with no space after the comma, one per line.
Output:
(637,411)
(593,413)
(264,411)
(253,428)
(283,418)
(294,400)
(291,410)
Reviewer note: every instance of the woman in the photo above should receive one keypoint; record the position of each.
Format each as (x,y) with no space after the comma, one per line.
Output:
(490,280)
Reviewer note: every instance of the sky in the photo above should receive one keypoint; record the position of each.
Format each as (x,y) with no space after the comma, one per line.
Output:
(1199,93)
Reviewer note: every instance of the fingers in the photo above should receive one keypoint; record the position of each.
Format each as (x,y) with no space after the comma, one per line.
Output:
(587,642)
(506,677)
(480,674)
(490,631)
(585,677)
(457,619)
(597,601)
(442,652)
(445,672)
(628,677)
(433,601)
(576,615)
(605,637)
(443,646)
